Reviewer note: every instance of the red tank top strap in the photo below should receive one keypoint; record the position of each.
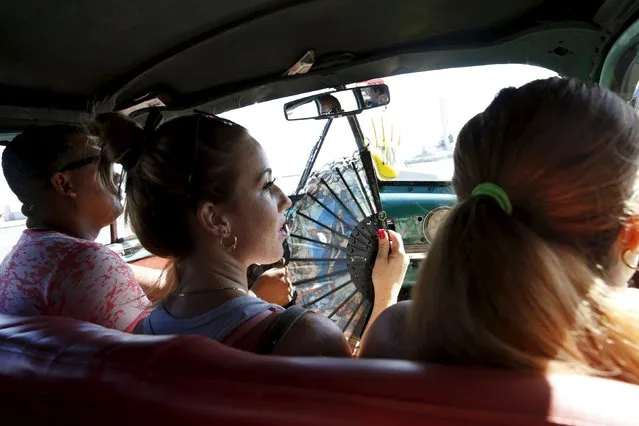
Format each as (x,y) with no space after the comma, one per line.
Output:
(245,328)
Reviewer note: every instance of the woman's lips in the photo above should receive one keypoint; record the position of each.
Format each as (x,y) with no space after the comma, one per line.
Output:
(283,230)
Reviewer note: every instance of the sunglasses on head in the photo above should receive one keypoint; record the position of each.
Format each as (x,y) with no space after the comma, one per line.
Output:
(205,115)
(79,163)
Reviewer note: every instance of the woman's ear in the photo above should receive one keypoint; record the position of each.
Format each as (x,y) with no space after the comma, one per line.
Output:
(210,217)
(63,185)
(630,234)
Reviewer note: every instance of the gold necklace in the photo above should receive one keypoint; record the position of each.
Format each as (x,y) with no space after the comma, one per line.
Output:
(211,290)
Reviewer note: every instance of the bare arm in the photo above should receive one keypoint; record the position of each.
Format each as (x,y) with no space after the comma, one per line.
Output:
(273,286)
(388,273)
(380,305)
(150,279)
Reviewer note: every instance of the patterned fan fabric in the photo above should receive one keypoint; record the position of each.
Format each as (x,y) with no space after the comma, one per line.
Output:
(333,244)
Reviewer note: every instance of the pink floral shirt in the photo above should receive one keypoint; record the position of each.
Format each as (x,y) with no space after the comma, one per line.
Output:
(50,273)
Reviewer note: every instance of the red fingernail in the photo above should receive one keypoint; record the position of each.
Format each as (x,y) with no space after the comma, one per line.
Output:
(381,234)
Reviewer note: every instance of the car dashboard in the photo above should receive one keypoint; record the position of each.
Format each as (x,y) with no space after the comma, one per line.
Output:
(416,211)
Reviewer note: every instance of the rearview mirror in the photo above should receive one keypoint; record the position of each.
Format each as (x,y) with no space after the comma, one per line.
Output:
(337,104)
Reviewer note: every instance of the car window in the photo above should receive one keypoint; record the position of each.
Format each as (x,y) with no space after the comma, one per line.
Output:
(123,229)
(12,221)
(634,100)
(417,130)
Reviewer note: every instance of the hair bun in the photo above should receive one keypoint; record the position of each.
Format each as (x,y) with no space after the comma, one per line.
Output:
(120,138)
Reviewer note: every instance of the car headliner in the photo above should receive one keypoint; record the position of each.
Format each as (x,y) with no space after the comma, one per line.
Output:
(61,59)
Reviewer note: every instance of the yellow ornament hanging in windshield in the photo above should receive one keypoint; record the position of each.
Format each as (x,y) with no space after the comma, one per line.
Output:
(385,170)
(384,148)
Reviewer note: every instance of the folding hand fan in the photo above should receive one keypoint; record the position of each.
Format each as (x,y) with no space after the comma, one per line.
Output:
(333,245)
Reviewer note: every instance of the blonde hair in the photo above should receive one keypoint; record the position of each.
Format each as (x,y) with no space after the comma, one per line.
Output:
(525,289)
(167,172)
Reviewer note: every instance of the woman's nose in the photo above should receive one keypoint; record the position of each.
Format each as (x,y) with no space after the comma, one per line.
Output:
(286,202)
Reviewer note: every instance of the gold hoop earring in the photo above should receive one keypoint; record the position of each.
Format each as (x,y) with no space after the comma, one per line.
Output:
(625,262)
(226,246)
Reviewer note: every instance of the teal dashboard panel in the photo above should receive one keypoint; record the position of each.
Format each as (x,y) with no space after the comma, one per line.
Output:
(407,207)
(407,211)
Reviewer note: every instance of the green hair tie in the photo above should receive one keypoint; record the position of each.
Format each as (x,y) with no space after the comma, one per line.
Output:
(496,193)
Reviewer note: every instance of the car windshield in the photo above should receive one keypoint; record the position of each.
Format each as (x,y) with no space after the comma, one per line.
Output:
(415,132)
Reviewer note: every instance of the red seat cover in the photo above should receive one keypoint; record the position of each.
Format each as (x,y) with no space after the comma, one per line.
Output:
(62,371)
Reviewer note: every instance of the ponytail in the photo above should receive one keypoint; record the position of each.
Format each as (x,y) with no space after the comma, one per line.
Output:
(488,294)
(493,293)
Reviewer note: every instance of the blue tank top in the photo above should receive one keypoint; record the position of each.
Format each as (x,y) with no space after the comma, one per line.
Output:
(216,324)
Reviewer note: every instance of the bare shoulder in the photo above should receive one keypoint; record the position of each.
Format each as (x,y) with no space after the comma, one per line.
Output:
(314,335)
(386,337)
(398,311)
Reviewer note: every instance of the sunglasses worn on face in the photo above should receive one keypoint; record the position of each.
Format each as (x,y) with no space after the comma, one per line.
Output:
(78,163)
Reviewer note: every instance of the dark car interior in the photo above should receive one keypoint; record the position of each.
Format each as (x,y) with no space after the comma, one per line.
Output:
(65,62)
